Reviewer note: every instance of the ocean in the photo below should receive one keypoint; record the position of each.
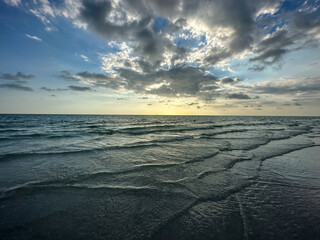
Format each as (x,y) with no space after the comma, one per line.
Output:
(159,177)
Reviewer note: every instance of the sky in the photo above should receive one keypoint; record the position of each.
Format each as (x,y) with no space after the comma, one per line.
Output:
(190,57)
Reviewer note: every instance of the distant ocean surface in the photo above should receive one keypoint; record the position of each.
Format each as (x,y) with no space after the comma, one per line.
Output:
(159,177)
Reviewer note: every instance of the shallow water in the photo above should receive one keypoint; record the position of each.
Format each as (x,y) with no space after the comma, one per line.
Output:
(159,177)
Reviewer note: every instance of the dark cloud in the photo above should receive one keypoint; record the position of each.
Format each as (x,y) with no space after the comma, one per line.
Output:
(100,80)
(142,33)
(80,89)
(307,85)
(238,15)
(228,80)
(256,68)
(179,81)
(18,76)
(88,75)
(298,34)
(273,48)
(306,20)
(160,64)
(270,56)
(176,26)
(73,88)
(96,79)
(147,66)
(53,89)
(66,75)
(114,22)
(238,96)
(192,104)
(16,86)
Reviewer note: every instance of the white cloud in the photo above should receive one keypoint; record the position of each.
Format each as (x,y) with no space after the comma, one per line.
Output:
(12,2)
(85,58)
(124,58)
(46,8)
(34,37)
(39,15)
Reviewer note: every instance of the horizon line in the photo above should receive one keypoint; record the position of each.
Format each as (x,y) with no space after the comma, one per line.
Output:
(120,114)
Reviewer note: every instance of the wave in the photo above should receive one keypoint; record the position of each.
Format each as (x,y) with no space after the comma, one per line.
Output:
(102,132)
(129,129)
(34,187)
(154,143)
(206,135)
(193,128)
(286,151)
(200,159)
(157,234)
(151,143)
(141,144)
(135,169)
(8,130)
(209,172)
(145,129)
(10,156)
(39,188)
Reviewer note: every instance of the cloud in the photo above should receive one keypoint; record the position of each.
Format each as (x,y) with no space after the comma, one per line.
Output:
(175,48)
(98,80)
(289,86)
(213,31)
(241,96)
(229,80)
(85,58)
(256,68)
(17,77)
(237,30)
(181,81)
(53,89)
(13,2)
(94,79)
(192,104)
(300,33)
(80,89)
(271,49)
(114,21)
(16,86)
(43,10)
(66,75)
(134,22)
(34,38)
(71,87)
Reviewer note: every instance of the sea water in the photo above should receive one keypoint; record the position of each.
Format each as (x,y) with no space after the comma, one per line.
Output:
(159,177)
